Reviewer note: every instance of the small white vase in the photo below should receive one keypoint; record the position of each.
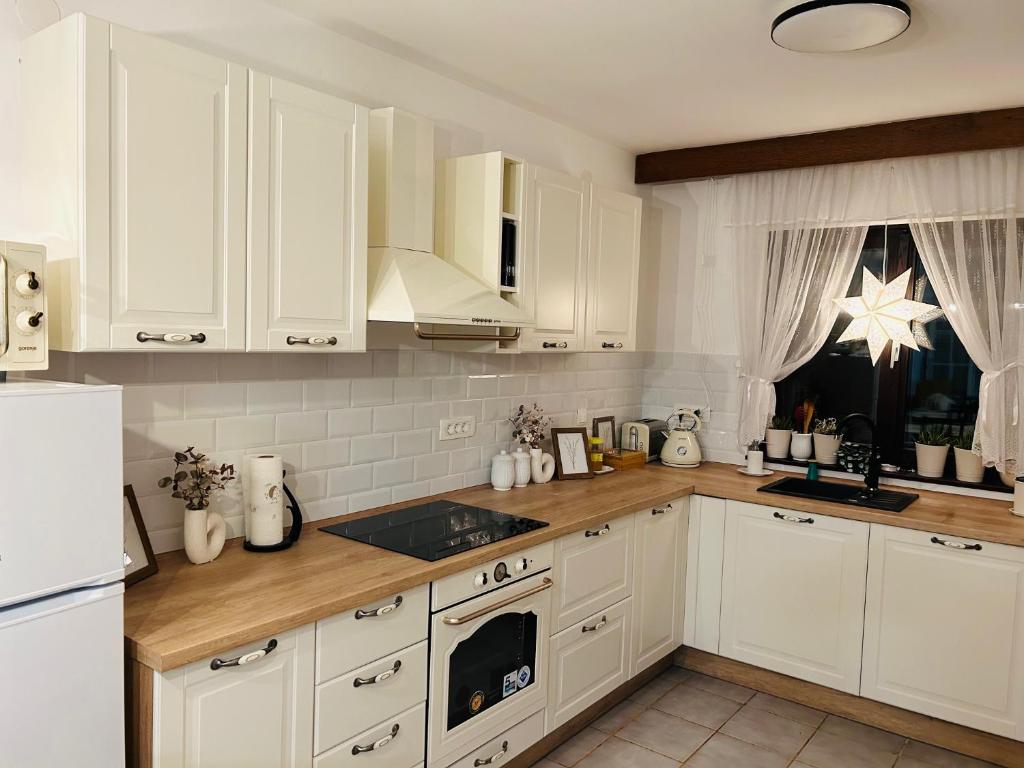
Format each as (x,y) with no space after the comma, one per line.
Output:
(969,468)
(204,535)
(777,443)
(825,448)
(522,467)
(542,466)
(755,462)
(931,459)
(503,471)
(801,446)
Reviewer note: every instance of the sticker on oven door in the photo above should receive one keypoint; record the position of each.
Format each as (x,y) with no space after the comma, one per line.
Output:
(476,701)
(523,679)
(509,687)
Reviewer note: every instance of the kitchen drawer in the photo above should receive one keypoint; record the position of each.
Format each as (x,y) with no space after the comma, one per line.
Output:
(344,709)
(588,661)
(402,750)
(593,571)
(345,642)
(501,749)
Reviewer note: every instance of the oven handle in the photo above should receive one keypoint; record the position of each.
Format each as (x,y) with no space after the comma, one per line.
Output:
(455,621)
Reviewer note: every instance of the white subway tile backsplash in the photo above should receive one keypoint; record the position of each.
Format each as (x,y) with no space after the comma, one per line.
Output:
(395,472)
(323,454)
(483,386)
(511,385)
(347,480)
(307,486)
(345,366)
(429,415)
(203,401)
(300,427)
(449,388)
(326,394)
(462,408)
(273,396)
(410,491)
(413,443)
(350,421)
(373,391)
(465,460)
(392,418)
(388,363)
(184,366)
(325,508)
(372,448)
(446,484)
(430,363)
(413,390)
(431,465)
(369,500)
(242,432)
(152,403)
(166,437)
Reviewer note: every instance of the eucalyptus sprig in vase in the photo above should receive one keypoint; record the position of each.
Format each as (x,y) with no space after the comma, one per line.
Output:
(195,481)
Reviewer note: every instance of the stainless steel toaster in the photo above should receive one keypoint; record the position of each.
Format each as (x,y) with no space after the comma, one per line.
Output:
(644,435)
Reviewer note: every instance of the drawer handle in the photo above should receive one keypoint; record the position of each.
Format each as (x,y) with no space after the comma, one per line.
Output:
(387,674)
(455,621)
(555,345)
(380,743)
(171,338)
(314,341)
(493,758)
(599,625)
(955,544)
(384,610)
(610,345)
(599,532)
(793,518)
(661,510)
(245,658)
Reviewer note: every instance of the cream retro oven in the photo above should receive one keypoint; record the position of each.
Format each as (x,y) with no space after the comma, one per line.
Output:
(23,326)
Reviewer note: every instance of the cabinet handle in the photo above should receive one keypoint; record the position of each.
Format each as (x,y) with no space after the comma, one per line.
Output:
(387,674)
(599,532)
(793,518)
(245,658)
(380,743)
(493,758)
(555,345)
(611,345)
(313,341)
(171,338)
(955,544)
(661,510)
(599,625)
(384,610)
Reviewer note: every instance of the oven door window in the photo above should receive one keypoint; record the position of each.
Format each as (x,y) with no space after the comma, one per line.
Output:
(497,661)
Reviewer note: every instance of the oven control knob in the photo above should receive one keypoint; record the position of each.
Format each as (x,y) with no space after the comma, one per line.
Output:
(480,580)
(28,322)
(26,285)
(521,565)
(501,573)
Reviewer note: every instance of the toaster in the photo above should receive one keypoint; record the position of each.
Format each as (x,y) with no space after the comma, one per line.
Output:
(646,435)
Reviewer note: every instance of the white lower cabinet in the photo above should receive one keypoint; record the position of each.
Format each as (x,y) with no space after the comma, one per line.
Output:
(256,712)
(658,573)
(588,661)
(593,569)
(395,743)
(944,628)
(793,593)
(705,542)
(507,746)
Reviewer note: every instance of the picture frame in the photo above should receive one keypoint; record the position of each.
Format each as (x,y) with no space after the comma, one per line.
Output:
(570,446)
(604,427)
(139,560)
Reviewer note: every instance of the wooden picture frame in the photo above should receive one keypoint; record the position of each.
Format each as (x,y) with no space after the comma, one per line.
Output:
(571,448)
(604,427)
(139,560)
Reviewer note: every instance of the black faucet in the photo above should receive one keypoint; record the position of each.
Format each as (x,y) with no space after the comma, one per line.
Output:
(875,459)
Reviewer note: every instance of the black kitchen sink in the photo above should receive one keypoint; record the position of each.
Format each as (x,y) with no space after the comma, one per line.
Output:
(840,493)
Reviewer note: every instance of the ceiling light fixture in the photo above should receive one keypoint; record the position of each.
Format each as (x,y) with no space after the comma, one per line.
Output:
(835,26)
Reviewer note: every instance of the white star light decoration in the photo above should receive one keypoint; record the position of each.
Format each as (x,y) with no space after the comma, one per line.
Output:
(882,313)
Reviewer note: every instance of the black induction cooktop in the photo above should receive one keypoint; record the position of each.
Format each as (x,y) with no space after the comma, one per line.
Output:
(435,530)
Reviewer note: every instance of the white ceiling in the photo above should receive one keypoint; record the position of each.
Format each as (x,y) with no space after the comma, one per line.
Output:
(655,74)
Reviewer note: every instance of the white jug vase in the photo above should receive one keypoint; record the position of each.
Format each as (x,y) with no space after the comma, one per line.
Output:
(204,535)
(542,465)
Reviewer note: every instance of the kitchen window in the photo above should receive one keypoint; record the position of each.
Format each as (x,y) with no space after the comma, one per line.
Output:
(934,387)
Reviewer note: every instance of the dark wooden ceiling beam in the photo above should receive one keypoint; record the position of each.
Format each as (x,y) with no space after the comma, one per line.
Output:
(925,136)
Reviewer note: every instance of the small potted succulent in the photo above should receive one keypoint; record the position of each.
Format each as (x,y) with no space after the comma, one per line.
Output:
(801,445)
(777,436)
(755,458)
(932,448)
(195,480)
(969,468)
(528,425)
(826,441)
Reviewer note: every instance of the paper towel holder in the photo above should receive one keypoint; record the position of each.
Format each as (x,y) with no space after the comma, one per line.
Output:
(293,532)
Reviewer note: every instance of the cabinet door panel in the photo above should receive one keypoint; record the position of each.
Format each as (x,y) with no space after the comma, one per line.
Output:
(613,270)
(705,551)
(593,569)
(307,218)
(793,593)
(177,193)
(944,627)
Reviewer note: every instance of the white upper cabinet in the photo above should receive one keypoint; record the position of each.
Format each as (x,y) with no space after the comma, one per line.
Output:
(307,219)
(613,271)
(944,628)
(137,151)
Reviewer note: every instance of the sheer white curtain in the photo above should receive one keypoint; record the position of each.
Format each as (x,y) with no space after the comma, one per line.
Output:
(798,237)
(965,214)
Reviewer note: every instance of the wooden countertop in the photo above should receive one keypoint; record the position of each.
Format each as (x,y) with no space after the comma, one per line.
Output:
(186,613)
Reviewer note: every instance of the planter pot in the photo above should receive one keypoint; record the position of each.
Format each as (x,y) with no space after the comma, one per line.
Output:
(969,468)
(931,459)
(801,446)
(204,535)
(825,448)
(777,443)
(542,466)
(755,462)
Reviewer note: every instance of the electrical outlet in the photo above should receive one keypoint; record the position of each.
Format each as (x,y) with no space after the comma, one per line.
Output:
(453,429)
(581,416)
(704,411)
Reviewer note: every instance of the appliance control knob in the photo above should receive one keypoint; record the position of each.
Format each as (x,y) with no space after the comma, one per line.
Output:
(26,284)
(501,573)
(29,322)
(521,565)
(480,580)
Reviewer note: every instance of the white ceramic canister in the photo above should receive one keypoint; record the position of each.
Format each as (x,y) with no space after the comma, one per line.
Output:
(503,471)
(522,467)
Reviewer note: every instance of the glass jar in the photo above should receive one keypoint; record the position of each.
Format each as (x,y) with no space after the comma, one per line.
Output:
(596,454)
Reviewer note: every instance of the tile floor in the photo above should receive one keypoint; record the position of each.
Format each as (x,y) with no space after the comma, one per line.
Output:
(683,718)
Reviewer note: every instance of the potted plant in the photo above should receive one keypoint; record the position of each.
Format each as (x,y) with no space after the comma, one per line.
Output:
(826,441)
(777,436)
(195,481)
(969,468)
(528,426)
(755,458)
(801,446)
(932,447)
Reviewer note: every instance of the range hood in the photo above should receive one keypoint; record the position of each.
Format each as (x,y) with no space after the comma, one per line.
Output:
(406,281)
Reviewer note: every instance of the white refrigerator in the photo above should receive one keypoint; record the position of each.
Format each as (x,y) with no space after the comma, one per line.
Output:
(61,566)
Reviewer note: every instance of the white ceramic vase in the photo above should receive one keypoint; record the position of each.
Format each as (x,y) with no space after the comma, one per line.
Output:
(969,468)
(522,468)
(204,535)
(801,446)
(542,466)
(777,443)
(755,462)
(825,448)
(503,471)
(931,459)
